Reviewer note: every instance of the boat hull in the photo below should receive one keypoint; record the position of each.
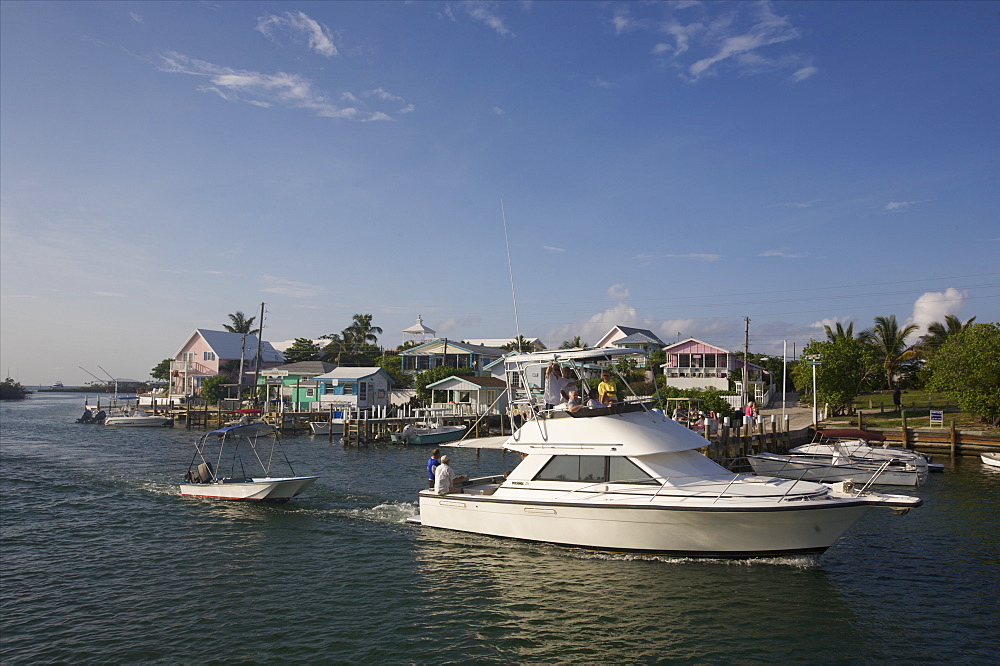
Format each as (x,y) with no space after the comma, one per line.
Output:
(806,469)
(991,459)
(326,428)
(690,532)
(441,435)
(139,421)
(261,489)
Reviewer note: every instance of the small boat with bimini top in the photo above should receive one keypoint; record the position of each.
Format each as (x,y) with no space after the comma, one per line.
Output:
(218,469)
(836,467)
(625,477)
(864,445)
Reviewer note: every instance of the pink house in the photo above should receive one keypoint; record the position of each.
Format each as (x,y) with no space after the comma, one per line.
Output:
(209,353)
(696,364)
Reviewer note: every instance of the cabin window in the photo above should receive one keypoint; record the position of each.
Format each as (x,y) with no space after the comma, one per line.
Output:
(362,390)
(310,393)
(208,356)
(593,469)
(423,362)
(684,360)
(348,389)
(187,357)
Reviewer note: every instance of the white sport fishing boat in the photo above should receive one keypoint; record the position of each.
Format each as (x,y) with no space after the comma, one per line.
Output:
(628,478)
(864,445)
(218,469)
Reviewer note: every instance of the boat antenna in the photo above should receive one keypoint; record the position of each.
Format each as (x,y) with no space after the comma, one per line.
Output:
(517,325)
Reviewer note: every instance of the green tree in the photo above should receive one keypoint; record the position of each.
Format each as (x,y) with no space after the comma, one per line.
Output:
(939,332)
(847,367)
(518,344)
(303,349)
(11,390)
(573,344)
(889,340)
(238,323)
(394,366)
(161,370)
(361,331)
(966,366)
(421,381)
(214,389)
(839,332)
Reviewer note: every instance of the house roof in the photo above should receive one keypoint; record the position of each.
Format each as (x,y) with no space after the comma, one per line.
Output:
(609,337)
(419,328)
(436,347)
(696,340)
(226,345)
(480,382)
(638,337)
(353,373)
(303,368)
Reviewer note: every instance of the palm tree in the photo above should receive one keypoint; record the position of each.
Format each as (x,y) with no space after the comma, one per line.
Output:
(240,324)
(832,335)
(890,342)
(939,332)
(335,350)
(362,331)
(573,344)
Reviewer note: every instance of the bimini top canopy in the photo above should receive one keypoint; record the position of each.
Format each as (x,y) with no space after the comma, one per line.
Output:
(572,355)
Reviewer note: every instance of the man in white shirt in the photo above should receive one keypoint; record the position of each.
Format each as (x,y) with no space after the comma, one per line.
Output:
(444,477)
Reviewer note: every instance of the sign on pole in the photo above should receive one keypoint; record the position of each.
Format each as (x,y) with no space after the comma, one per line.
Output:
(937,417)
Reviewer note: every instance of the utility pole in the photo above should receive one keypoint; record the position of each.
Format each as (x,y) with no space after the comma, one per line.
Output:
(746,359)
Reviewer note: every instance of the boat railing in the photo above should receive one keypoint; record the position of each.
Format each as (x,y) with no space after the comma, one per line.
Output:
(672,482)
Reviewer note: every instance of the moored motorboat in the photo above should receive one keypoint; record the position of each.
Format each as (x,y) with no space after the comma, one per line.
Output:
(991,459)
(627,478)
(226,446)
(863,445)
(429,432)
(833,468)
(138,418)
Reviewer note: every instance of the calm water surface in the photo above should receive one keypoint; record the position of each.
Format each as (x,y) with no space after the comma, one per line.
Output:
(102,560)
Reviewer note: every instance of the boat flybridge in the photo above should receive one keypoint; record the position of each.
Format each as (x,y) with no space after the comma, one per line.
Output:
(625,477)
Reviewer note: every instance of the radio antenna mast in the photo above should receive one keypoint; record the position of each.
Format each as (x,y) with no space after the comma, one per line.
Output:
(517,325)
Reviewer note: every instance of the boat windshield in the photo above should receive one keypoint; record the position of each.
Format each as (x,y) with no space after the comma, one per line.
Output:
(593,469)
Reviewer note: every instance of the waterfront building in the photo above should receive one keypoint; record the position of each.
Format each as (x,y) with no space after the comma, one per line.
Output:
(418,332)
(535,343)
(209,353)
(360,387)
(296,382)
(470,395)
(693,363)
(436,353)
(629,337)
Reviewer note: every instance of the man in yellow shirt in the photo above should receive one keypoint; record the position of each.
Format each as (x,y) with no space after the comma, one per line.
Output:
(606,390)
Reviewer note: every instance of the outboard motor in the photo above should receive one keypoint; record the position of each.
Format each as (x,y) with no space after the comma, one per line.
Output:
(88,417)
(100,416)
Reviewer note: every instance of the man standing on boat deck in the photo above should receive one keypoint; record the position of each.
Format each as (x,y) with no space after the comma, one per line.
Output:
(554,384)
(444,477)
(432,464)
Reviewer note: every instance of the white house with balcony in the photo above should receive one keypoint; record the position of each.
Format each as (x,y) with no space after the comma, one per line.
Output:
(209,353)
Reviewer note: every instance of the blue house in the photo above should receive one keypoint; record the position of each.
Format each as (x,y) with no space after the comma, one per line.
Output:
(362,388)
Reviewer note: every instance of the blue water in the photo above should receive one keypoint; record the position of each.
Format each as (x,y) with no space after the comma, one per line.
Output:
(102,561)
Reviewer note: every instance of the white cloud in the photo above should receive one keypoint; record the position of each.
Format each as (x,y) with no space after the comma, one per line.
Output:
(484,11)
(136,18)
(899,206)
(804,73)
(794,204)
(783,252)
(109,294)
(300,26)
(619,292)
(549,248)
(280,90)
(934,306)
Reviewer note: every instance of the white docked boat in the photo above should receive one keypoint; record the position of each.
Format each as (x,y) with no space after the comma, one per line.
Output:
(833,468)
(864,445)
(218,469)
(138,418)
(991,459)
(430,432)
(628,478)
(334,423)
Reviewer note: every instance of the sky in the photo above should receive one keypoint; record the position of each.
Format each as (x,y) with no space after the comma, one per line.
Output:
(545,168)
